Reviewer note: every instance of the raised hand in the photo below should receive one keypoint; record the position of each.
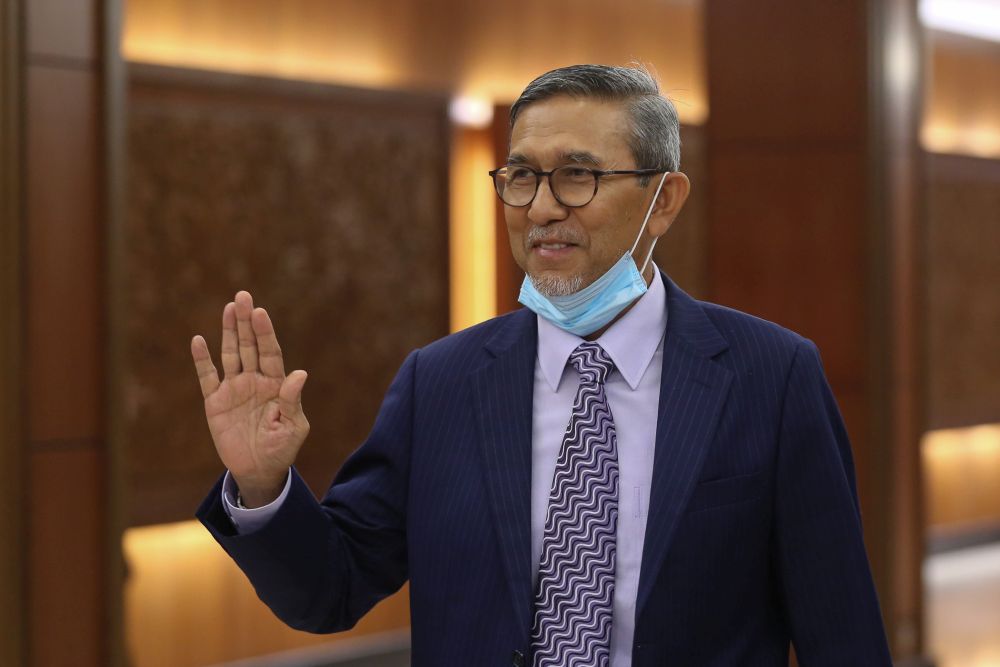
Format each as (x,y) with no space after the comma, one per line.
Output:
(255,413)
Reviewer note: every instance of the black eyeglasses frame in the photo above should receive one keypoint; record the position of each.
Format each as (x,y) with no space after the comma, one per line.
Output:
(598,174)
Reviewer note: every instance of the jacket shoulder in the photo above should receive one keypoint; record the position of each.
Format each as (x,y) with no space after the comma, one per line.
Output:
(746,332)
(468,345)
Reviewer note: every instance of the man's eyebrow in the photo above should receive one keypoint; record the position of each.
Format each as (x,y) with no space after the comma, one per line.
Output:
(566,157)
(580,157)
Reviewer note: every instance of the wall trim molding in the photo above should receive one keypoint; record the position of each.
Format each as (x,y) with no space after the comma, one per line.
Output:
(385,649)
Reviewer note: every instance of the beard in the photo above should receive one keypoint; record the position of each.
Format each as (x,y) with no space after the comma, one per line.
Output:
(556,285)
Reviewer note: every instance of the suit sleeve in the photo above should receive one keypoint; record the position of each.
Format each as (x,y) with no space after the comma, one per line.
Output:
(320,566)
(826,583)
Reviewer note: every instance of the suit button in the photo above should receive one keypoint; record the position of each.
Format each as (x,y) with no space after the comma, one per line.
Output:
(518,659)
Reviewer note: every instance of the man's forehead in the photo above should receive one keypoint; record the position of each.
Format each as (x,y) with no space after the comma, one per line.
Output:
(569,129)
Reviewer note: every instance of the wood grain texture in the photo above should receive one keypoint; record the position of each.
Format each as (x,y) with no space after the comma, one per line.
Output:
(963,303)
(66,549)
(329,205)
(64,271)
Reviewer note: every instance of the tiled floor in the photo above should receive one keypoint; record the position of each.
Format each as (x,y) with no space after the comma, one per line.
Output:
(963,607)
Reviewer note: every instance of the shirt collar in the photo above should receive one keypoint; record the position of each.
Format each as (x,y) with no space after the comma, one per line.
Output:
(630,342)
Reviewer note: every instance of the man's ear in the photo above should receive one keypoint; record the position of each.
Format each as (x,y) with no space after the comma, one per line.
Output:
(669,203)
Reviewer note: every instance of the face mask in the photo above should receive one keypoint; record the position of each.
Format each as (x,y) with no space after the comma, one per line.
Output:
(593,307)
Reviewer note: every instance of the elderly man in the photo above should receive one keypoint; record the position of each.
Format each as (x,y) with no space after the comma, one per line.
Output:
(616,474)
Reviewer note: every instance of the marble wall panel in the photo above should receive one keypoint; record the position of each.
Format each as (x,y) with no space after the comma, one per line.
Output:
(328,204)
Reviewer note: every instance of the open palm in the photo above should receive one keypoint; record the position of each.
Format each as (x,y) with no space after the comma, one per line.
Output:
(255,413)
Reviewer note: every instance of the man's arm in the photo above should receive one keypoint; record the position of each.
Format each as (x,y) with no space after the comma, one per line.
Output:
(321,566)
(828,592)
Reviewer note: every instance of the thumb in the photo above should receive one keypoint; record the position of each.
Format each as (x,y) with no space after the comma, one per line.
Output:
(290,393)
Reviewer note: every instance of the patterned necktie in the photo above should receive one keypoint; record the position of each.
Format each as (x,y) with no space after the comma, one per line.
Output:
(576,578)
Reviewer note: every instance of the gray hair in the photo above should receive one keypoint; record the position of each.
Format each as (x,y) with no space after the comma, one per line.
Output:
(655,141)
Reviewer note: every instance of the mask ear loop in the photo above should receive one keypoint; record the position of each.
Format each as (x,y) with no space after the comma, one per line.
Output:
(635,245)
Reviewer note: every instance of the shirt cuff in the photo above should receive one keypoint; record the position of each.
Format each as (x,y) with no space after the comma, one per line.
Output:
(249,520)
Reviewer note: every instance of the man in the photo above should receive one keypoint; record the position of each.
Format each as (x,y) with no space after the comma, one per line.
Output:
(615,475)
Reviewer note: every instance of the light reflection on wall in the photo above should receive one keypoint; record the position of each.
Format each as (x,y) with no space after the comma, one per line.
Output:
(962,471)
(189,605)
(962,104)
(488,50)
(472,236)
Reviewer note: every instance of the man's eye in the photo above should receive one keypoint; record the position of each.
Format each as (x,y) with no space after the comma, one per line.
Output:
(577,173)
(519,174)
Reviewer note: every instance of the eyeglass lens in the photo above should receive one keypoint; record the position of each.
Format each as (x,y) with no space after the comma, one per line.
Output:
(571,186)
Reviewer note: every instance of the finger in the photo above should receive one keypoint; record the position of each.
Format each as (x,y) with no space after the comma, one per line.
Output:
(230,341)
(290,394)
(207,375)
(269,352)
(248,342)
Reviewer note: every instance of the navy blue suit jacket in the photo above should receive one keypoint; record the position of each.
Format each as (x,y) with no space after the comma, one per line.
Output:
(753,536)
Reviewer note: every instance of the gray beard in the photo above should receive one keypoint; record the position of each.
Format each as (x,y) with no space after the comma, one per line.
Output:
(555,286)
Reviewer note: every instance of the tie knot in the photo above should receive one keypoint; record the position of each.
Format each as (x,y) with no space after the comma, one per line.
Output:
(591,362)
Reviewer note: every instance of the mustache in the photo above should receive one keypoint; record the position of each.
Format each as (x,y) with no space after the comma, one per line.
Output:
(552,235)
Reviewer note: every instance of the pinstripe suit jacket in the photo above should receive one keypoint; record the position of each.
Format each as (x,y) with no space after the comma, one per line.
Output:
(753,537)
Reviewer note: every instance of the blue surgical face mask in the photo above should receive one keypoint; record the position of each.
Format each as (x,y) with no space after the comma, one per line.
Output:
(593,307)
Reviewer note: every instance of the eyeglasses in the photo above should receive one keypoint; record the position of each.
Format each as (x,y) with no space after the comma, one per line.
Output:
(571,186)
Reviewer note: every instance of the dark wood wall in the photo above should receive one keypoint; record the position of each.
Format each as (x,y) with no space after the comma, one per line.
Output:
(328,204)
(12,522)
(811,152)
(62,376)
(962,317)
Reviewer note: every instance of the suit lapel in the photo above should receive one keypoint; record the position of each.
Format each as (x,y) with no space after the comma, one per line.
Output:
(693,389)
(502,396)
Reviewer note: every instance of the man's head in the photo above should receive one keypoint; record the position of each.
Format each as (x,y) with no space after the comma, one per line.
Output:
(596,117)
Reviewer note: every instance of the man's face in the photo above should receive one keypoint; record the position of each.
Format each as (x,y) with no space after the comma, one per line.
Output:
(565,249)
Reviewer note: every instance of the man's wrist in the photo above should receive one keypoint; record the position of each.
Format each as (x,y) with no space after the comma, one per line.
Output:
(250,497)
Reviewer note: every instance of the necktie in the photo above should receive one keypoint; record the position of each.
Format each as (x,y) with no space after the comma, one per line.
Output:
(576,577)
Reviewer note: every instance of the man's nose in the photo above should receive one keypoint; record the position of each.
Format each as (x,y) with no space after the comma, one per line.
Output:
(545,208)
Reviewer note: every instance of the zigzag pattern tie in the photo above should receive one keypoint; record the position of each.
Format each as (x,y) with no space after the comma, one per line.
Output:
(576,578)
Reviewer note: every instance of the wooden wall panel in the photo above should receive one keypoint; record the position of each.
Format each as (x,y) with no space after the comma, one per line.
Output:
(65,344)
(811,145)
(13,522)
(682,251)
(68,562)
(788,244)
(799,86)
(963,278)
(329,205)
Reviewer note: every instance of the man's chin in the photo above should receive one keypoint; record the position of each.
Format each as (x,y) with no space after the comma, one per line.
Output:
(554,284)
